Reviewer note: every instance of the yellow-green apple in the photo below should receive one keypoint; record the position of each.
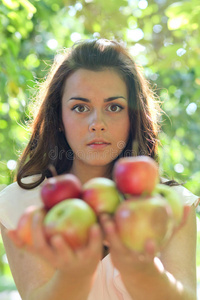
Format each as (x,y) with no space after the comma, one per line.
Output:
(136,175)
(172,197)
(59,188)
(141,220)
(24,226)
(72,218)
(101,194)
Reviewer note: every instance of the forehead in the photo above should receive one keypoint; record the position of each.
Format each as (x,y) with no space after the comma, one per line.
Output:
(106,80)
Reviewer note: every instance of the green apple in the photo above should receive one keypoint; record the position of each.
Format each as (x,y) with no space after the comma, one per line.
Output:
(139,220)
(101,194)
(73,219)
(172,197)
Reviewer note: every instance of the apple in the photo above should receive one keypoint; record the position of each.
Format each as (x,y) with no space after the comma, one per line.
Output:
(172,197)
(72,218)
(59,188)
(25,223)
(142,219)
(101,194)
(136,175)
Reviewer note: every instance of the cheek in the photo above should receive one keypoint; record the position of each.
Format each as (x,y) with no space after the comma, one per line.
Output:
(74,131)
(68,121)
(120,135)
(69,126)
(125,131)
(122,128)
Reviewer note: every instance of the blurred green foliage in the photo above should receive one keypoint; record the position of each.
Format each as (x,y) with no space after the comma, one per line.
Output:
(163,36)
(6,280)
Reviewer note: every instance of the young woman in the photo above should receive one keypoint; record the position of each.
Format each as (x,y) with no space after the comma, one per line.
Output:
(94,105)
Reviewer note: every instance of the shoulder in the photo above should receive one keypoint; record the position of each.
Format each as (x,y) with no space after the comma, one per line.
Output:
(187,197)
(14,200)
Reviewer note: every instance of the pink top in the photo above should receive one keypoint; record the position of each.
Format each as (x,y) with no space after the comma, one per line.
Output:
(107,283)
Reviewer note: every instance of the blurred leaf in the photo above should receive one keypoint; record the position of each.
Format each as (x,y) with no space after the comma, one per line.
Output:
(28,6)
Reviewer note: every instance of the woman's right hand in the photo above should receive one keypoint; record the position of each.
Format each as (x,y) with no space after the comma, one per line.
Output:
(57,252)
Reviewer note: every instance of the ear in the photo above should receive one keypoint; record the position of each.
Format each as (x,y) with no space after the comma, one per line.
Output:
(61,128)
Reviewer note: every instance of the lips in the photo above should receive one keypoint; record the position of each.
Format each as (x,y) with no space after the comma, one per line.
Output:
(98,144)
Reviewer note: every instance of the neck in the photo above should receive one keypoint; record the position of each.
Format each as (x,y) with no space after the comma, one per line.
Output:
(86,172)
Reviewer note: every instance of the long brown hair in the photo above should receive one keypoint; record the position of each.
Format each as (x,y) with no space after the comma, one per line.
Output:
(46,138)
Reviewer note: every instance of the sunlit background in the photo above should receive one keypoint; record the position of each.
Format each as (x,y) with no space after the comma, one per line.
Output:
(163,37)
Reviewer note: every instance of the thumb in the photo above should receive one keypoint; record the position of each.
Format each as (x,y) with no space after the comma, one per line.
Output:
(186,211)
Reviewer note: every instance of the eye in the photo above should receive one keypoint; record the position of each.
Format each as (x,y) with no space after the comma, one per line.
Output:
(79,108)
(115,108)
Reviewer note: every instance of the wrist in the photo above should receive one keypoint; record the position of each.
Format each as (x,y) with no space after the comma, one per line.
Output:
(73,279)
(63,286)
(146,276)
(142,268)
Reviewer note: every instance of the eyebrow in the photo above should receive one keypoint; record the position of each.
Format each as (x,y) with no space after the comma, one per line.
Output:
(105,100)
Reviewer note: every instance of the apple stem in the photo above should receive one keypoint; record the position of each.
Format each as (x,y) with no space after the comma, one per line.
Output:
(52,169)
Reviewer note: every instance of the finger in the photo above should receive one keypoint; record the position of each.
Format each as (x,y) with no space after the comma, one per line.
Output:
(106,223)
(112,236)
(13,236)
(150,250)
(186,211)
(38,236)
(95,239)
(104,217)
(61,248)
(93,248)
(40,244)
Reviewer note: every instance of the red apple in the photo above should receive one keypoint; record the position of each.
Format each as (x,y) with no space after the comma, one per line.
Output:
(72,218)
(25,223)
(172,197)
(145,219)
(101,194)
(59,188)
(136,175)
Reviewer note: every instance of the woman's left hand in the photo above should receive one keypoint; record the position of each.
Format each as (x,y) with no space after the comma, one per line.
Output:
(126,260)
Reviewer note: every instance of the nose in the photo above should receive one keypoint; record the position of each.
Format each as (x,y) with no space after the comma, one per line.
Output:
(97,123)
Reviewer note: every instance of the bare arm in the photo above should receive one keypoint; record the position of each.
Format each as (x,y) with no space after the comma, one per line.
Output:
(55,272)
(171,276)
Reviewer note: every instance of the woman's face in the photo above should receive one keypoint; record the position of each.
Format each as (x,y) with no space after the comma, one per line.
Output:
(95,116)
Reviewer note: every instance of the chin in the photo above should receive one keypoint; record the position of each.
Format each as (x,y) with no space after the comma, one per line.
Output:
(98,159)
(99,163)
